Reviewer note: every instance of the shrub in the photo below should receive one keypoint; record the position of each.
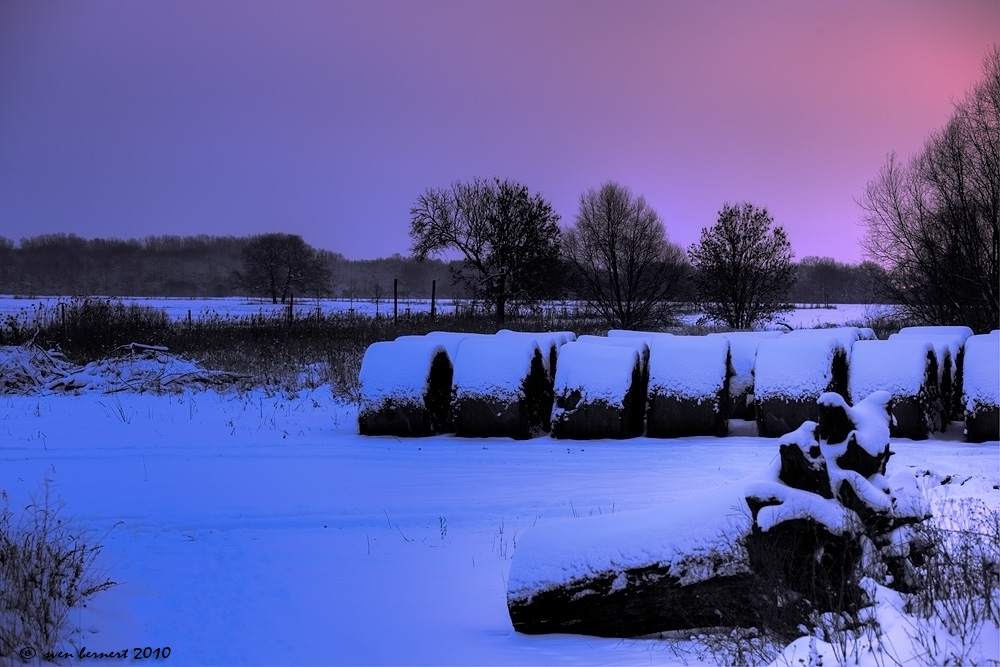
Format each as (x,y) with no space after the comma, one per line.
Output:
(46,570)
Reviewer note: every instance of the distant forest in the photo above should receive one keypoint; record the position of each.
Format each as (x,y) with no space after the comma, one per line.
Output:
(210,266)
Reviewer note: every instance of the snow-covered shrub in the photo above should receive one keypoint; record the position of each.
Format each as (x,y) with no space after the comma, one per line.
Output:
(501,387)
(743,351)
(406,388)
(46,571)
(907,368)
(982,387)
(598,392)
(688,386)
(790,374)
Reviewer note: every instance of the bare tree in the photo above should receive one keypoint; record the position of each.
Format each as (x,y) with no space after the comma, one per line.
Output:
(624,266)
(508,237)
(743,267)
(933,224)
(276,264)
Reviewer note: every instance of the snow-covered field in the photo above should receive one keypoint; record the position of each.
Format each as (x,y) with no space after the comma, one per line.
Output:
(260,529)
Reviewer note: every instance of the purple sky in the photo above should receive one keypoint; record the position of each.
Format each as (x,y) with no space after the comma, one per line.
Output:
(328,118)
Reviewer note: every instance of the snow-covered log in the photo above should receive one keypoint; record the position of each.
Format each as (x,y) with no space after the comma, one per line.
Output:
(982,387)
(406,388)
(501,388)
(599,392)
(790,374)
(688,387)
(630,574)
(906,368)
(743,354)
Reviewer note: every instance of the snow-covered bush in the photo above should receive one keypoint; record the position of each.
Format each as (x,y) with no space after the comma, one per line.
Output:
(46,571)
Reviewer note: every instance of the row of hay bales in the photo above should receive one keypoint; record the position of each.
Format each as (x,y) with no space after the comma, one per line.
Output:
(628,383)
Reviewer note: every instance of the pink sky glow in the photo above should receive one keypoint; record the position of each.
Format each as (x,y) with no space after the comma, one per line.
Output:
(328,118)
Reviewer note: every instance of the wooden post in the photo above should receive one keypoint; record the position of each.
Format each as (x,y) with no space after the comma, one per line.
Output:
(433,291)
(291,305)
(395,300)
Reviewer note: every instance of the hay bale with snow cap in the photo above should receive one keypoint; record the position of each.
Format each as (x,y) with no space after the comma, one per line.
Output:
(500,388)
(406,388)
(949,349)
(982,387)
(906,368)
(743,355)
(638,344)
(598,392)
(549,343)
(688,387)
(790,374)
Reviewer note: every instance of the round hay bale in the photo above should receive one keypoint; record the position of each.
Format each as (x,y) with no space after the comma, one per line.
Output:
(790,373)
(405,388)
(743,354)
(906,368)
(501,388)
(950,351)
(688,386)
(982,387)
(598,392)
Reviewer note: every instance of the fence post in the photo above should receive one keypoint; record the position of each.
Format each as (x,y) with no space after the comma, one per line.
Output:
(433,290)
(291,304)
(395,300)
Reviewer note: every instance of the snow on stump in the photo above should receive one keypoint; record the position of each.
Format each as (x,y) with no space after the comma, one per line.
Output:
(630,574)
(688,387)
(405,388)
(501,388)
(906,368)
(982,387)
(743,353)
(828,505)
(790,374)
(598,392)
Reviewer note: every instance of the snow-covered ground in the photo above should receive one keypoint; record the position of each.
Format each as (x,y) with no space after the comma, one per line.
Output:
(260,529)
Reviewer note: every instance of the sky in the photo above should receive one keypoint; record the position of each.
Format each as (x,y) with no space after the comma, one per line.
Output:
(328,118)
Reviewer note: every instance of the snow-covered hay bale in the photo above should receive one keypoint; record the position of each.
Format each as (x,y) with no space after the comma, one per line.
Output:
(790,373)
(549,344)
(846,336)
(743,354)
(982,387)
(961,331)
(501,388)
(906,368)
(647,336)
(452,340)
(688,386)
(405,388)
(598,392)
(950,351)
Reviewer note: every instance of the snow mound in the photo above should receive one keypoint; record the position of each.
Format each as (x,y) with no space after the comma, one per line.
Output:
(28,367)
(143,369)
